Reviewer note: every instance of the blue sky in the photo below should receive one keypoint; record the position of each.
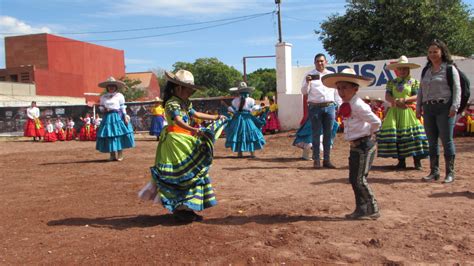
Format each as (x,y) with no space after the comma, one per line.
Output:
(229,43)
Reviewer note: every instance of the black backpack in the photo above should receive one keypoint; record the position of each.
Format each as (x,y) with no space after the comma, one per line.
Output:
(465,84)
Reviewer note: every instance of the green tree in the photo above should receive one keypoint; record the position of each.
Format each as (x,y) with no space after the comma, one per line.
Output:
(132,91)
(381,29)
(211,73)
(264,80)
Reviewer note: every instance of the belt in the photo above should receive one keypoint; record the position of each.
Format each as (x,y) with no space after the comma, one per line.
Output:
(325,104)
(358,141)
(178,129)
(435,101)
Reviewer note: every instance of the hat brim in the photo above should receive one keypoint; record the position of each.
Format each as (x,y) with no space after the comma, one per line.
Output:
(172,78)
(330,80)
(401,65)
(118,83)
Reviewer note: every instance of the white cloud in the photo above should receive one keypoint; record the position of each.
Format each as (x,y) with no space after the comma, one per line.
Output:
(181,7)
(10,26)
(14,26)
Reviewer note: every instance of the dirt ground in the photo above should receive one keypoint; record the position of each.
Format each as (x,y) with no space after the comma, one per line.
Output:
(62,203)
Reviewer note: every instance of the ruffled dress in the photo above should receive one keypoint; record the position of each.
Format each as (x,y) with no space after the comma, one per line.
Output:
(113,134)
(157,121)
(402,134)
(272,123)
(180,176)
(304,135)
(244,131)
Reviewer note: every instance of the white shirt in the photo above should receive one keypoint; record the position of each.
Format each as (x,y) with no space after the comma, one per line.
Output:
(70,124)
(362,121)
(317,92)
(97,121)
(32,112)
(87,120)
(248,105)
(59,125)
(50,128)
(113,101)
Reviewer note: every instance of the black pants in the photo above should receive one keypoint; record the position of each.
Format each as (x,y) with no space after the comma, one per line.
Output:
(360,160)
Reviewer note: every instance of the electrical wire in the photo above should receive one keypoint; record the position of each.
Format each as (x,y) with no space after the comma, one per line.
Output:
(174,33)
(153,28)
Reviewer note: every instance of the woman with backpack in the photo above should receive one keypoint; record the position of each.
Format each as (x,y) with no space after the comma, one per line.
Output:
(438,103)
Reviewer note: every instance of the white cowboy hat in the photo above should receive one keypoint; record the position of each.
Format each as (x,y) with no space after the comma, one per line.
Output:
(242,87)
(348,75)
(112,81)
(183,78)
(402,62)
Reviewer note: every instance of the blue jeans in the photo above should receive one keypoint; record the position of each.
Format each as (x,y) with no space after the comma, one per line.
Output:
(322,118)
(439,125)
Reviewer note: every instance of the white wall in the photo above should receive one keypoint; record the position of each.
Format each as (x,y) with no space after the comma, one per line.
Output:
(16,88)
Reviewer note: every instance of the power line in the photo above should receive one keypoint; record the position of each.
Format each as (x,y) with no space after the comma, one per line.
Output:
(155,27)
(300,19)
(177,32)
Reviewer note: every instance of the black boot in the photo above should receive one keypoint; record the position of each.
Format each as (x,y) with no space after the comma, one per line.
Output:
(417,162)
(449,160)
(434,169)
(401,163)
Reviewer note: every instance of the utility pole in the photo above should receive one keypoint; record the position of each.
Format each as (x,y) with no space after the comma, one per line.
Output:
(278,2)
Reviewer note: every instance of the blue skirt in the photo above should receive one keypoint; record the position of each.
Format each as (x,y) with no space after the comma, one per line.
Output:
(113,134)
(243,133)
(304,135)
(156,125)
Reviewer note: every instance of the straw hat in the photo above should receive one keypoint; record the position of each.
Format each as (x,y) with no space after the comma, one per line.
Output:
(112,81)
(348,75)
(402,62)
(183,78)
(242,87)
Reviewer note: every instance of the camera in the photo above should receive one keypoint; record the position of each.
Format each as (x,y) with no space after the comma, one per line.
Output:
(314,77)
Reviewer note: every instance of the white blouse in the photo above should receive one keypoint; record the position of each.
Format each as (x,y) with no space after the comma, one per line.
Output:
(248,105)
(113,101)
(32,112)
(70,124)
(50,128)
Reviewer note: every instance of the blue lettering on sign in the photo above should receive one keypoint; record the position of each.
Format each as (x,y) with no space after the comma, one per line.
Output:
(383,76)
(367,71)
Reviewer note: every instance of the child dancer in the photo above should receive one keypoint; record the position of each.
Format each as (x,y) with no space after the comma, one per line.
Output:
(243,133)
(360,125)
(70,130)
(33,127)
(50,135)
(273,124)
(96,122)
(157,121)
(86,130)
(60,133)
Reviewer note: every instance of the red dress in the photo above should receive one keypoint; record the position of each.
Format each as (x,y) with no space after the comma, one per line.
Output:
(50,135)
(87,132)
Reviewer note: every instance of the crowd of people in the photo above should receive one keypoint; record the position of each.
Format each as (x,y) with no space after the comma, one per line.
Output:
(419,112)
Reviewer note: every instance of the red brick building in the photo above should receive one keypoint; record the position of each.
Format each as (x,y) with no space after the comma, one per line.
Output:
(60,66)
(149,83)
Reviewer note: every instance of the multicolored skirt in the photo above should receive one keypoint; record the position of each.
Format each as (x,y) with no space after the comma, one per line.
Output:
(113,134)
(244,132)
(402,135)
(156,125)
(180,177)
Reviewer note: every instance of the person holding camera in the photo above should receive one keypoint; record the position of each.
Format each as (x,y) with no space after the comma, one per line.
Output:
(322,104)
